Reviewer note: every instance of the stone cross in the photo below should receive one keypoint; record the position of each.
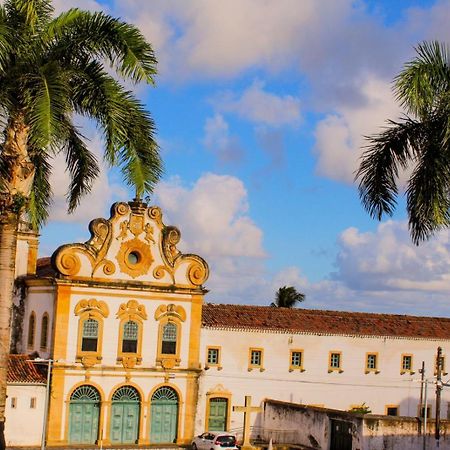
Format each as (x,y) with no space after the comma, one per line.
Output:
(247,410)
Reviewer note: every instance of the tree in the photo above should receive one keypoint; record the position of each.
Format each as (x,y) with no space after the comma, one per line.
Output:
(287,297)
(360,409)
(52,68)
(420,140)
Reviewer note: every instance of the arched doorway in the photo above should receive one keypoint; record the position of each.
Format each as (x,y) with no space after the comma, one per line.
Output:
(125,412)
(84,411)
(218,409)
(164,415)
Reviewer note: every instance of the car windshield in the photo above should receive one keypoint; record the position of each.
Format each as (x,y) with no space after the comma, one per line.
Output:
(226,441)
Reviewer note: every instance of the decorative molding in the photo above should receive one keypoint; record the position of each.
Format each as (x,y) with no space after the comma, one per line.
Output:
(176,311)
(134,241)
(91,305)
(132,310)
(134,257)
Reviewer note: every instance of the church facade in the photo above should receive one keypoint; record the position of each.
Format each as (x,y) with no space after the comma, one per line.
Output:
(139,357)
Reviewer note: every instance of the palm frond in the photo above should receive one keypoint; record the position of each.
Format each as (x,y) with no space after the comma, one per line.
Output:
(31,15)
(127,126)
(378,172)
(102,36)
(41,193)
(428,195)
(47,102)
(425,79)
(82,166)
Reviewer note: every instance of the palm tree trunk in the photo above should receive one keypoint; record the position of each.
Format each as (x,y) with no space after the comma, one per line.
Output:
(16,191)
(8,244)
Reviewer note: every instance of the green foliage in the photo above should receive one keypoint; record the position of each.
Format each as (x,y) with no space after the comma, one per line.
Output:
(420,140)
(360,409)
(52,68)
(287,297)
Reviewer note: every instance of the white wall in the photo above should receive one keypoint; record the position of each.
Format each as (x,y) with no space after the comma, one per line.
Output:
(23,424)
(39,301)
(315,385)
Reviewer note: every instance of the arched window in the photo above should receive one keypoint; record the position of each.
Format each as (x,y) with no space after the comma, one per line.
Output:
(89,339)
(132,315)
(31,330)
(92,313)
(130,337)
(169,339)
(44,331)
(170,318)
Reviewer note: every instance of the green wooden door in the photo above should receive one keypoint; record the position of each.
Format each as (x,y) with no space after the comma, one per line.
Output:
(164,416)
(217,414)
(84,411)
(125,412)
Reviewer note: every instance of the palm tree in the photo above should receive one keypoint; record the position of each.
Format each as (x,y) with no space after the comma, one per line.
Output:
(287,297)
(52,68)
(420,140)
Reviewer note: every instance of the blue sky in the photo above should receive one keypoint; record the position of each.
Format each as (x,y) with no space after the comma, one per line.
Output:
(260,108)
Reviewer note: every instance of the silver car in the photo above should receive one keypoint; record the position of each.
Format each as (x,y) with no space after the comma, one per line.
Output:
(215,440)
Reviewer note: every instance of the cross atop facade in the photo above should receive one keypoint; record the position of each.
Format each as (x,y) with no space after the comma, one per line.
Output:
(247,410)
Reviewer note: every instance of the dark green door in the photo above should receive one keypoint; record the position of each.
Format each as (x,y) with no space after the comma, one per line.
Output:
(125,409)
(164,416)
(217,414)
(84,411)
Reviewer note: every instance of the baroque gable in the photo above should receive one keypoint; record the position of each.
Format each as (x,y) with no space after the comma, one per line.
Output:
(132,245)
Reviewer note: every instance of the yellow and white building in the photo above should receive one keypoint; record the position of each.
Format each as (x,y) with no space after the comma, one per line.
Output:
(139,358)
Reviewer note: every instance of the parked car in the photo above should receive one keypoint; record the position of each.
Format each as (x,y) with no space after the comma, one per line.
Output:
(215,440)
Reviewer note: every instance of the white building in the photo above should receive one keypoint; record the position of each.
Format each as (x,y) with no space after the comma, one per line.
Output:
(141,359)
(25,402)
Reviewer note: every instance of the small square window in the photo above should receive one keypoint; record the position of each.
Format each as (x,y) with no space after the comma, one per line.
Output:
(407,364)
(213,356)
(391,410)
(296,361)
(33,402)
(335,361)
(13,402)
(371,361)
(255,359)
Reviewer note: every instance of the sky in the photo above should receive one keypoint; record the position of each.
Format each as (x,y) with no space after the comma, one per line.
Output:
(261,108)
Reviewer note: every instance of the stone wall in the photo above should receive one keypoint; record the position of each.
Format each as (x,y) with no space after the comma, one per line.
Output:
(310,427)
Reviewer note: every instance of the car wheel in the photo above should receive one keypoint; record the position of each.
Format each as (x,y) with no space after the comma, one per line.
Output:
(194,447)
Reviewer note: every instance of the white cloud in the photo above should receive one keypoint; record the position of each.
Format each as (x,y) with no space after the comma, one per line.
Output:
(213,216)
(219,140)
(261,107)
(213,219)
(340,135)
(383,271)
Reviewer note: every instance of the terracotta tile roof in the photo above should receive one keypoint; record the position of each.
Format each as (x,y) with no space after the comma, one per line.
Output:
(22,370)
(44,267)
(299,320)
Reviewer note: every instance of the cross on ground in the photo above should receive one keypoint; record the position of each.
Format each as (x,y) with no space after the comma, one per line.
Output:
(247,410)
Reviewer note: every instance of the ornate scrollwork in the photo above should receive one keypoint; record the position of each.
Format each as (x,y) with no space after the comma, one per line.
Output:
(134,257)
(109,267)
(154,213)
(120,209)
(170,310)
(132,309)
(159,271)
(128,362)
(171,237)
(68,263)
(197,273)
(91,305)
